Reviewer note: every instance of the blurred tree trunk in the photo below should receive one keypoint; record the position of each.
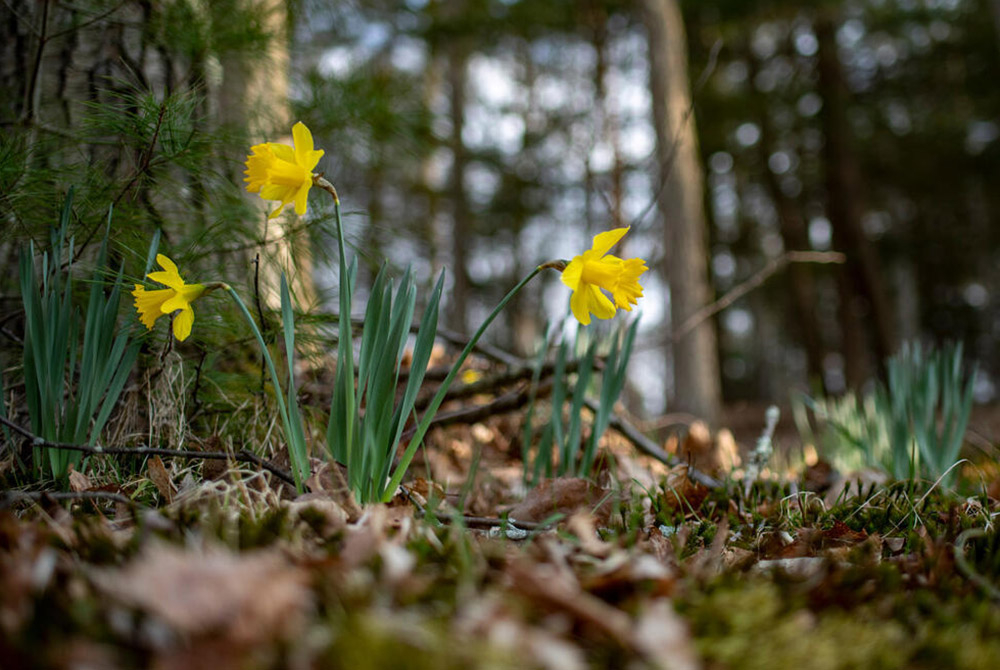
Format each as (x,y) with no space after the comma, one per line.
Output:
(696,365)
(802,290)
(995,10)
(458,61)
(255,96)
(863,292)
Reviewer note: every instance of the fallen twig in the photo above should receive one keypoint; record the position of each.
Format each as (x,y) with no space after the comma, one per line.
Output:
(10,497)
(651,448)
(476,521)
(243,455)
(503,403)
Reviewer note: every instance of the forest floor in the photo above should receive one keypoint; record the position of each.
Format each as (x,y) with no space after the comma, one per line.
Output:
(185,564)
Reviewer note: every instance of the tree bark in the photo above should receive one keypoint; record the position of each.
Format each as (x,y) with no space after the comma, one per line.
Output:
(461,216)
(697,384)
(862,287)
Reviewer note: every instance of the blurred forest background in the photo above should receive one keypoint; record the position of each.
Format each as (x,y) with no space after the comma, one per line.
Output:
(487,136)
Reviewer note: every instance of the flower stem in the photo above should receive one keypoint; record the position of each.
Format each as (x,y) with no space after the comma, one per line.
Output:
(345,348)
(297,452)
(418,436)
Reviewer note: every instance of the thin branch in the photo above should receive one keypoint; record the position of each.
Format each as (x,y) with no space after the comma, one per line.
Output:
(89,22)
(505,403)
(487,350)
(501,379)
(11,497)
(10,335)
(147,158)
(243,456)
(515,399)
(773,267)
(475,521)
(651,448)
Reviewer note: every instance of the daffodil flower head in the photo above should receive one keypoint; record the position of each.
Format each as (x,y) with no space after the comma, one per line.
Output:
(151,305)
(280,172)
(595,271)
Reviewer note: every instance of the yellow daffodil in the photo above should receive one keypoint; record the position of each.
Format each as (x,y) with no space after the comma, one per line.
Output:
(151,305)
(280,172)
(594,270)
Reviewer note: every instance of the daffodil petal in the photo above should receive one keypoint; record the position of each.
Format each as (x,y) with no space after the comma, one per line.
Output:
(284,173)
(171,279)
(282,152)
(278,192)
(312,159)
(178,301)
(182,324)
(167,264)
(303,140)
(599,304)
(302,199)
(571,275)
(578,303)
(604,241)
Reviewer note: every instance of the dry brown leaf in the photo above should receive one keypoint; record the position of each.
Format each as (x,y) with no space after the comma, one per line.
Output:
(244,598)
(661,548)
(581,524)
(78,481)
(565,496)
(663,637)
(161,478)
(623,575)
(545,583)
(365,537)
(330,479)
(488,618)
(735,558)
(334,516)
(426,494)
(696,448)
(679,492)
(803,567)
(727,451)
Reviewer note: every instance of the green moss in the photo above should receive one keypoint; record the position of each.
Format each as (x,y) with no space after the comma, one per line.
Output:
(752,627)
(372,642)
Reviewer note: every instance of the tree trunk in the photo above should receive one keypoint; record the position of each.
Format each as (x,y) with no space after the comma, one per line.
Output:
(801,287)
(863,288)
(458,61)
(696,365)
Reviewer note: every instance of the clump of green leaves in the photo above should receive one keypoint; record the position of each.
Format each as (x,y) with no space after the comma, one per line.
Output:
(853,433)
(576,456)
(927,402)
(70,387)
(912,426)
(367,442)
